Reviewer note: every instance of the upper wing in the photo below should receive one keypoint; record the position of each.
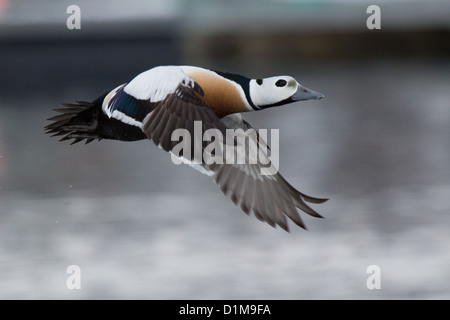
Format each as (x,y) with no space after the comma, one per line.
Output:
(120,105)
(179,111)
(270,197)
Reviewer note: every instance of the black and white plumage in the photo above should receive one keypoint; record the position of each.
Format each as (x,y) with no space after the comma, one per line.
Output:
(165,98)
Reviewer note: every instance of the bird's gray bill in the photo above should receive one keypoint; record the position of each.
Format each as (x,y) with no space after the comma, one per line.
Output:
(303,93)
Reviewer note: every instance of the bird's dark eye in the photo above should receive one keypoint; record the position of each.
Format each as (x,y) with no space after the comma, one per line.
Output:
(259,81)
(281,83)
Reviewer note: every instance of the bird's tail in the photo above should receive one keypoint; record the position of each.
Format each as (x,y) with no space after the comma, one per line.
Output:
(77,121)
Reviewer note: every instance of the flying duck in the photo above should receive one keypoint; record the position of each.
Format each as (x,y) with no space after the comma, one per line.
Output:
(165,98)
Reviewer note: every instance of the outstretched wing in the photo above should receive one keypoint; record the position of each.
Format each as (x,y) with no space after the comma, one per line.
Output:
(270,197)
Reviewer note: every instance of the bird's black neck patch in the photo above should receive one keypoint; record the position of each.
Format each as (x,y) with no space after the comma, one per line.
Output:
(244,82)
(280,103)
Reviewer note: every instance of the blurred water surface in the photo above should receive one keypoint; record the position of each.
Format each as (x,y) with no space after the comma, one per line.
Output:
(138,226)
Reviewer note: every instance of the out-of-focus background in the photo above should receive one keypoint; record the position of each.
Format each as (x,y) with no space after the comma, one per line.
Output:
(138,226)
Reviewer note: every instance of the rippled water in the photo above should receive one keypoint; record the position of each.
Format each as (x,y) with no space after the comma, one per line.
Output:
(378,146)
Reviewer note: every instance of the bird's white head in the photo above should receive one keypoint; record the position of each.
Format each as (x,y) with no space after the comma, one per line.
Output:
(280,90)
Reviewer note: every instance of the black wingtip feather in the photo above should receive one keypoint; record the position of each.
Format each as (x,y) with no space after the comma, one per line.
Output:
(313,199)
(284,226)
